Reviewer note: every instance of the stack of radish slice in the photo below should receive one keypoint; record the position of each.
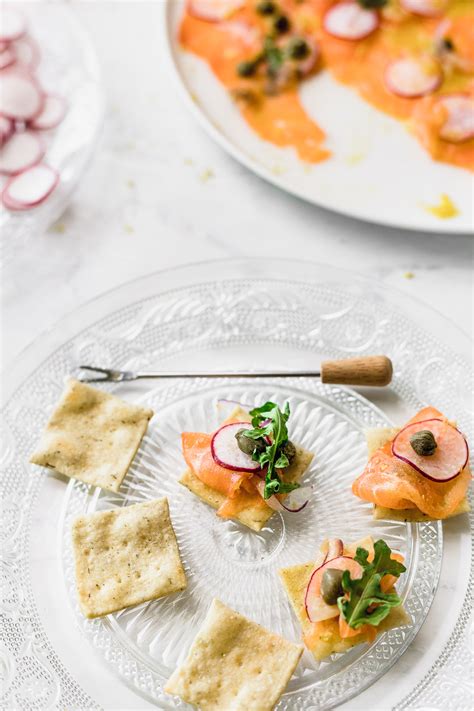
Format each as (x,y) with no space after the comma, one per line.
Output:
(25,110)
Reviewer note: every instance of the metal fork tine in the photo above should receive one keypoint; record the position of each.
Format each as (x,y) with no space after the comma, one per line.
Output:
(107,371)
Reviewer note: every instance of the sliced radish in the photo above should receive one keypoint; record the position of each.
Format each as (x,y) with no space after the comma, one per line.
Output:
(7,57)
(412,77)
(214,10)
(316,608)
(27,52)
(12,24)
(335,548)
(247,34)
(30,188)
(425,8)
(272,501)
(226,452)
(21,151)
(459,123)
(450,457)
(350,21)
(20,97)
(51,115)
(6,129)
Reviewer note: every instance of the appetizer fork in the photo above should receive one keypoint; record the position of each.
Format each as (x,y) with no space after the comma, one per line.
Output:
(374,371)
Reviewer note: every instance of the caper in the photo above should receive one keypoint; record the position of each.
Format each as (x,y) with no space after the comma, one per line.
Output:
(298,48)
(281,24)
(331,585)
(247,68)
(448,44)
(248,445)
(266,7)
(424,443)
(289,450)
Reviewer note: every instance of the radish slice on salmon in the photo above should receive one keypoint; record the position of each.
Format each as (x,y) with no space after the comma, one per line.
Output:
(51,115)
(459,123)
(411,78)
(350,21)
(12,24)
(451,454)
(214,10)
(6,129)
(425,8)
(27,52)
(20,97)
(313,601)
(226,451)
(7,57)
(21,151)
(30,188)
(294,502)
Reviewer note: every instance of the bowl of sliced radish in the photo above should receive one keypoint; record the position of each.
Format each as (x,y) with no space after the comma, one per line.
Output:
(51,111)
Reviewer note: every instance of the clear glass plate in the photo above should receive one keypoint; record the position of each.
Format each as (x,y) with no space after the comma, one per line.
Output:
(246,313)
(68,67)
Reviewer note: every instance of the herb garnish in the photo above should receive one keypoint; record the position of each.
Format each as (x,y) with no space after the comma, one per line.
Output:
(367,604)
(372,4)
(269,422)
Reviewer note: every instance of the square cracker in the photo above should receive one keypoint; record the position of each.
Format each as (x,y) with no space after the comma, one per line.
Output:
(125,556)
(376,438)
(295,581)
(92,436)
(255,517)
(234,665)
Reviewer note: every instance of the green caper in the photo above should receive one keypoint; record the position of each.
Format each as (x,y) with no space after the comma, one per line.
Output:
(298,48)
(424,443)
(331,585)
(289,450)
(248,445)
(281,24)
(266,7)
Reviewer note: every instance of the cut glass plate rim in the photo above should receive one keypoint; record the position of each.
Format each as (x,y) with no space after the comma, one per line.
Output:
(212,129)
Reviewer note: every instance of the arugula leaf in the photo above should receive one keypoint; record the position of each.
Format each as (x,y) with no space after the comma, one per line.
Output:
(273,55)
(364,602)
(270,422)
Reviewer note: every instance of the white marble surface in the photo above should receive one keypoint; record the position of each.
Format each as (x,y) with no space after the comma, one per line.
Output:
(159,194)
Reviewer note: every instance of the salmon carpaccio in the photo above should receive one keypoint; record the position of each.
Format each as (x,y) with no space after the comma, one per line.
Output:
(237,487)
(282,119)
(391,483)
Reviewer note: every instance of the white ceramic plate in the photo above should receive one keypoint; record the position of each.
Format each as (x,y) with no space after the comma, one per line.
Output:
(378,171)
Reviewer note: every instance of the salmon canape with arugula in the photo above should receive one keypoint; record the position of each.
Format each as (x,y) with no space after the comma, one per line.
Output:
(418,473)
(248,468)
(347,595)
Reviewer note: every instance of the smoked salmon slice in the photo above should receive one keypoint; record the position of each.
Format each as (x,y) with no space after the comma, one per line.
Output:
(198,456)
(391,483)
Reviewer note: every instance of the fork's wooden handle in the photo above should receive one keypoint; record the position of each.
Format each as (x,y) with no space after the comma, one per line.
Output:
(375,371)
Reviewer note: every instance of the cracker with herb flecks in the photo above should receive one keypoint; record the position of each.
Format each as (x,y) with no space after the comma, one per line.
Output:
(376,438)
(126,556)
(328,640)
(92,436)
(234,664)
(255,516)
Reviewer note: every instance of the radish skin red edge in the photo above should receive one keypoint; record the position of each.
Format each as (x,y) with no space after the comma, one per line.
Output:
(21,151)
(350,21)
(18,195)
(401,449)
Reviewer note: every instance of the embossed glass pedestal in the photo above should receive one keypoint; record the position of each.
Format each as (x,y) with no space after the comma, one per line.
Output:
(233,314)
